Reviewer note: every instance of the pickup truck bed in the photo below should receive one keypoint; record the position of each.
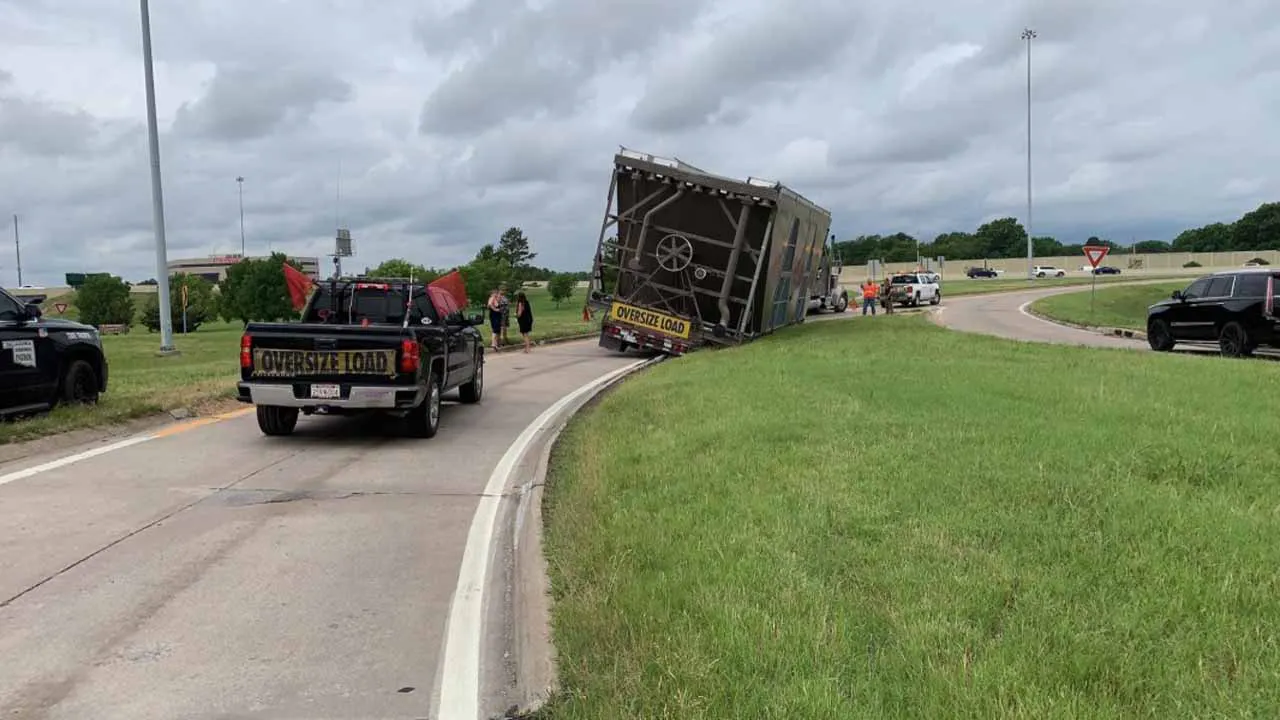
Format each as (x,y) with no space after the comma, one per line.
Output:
(339,368)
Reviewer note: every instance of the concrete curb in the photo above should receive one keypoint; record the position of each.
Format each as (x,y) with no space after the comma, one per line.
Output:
(1101,330)
(515,346)
(536,677)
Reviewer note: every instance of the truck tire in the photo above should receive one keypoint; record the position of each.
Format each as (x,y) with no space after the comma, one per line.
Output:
(1234,341)
(424,420)
(79,384)
(1159,337)
(842,303)
(937,298)
(471,392)
(274,420)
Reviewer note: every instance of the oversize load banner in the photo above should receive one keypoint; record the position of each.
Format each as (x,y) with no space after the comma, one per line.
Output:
(291,363)
(648,319)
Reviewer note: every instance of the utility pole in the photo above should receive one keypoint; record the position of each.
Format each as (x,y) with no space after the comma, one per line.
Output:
(240,182)
(157,197)
(1029,35)
(17,246)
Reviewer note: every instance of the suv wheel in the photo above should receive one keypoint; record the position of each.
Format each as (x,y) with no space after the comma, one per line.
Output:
(1039,274)
(274,420)
(1061,274)
(471,392)
(79,384)
(424,420)
(1158,336)
(937,298)
(1234,341)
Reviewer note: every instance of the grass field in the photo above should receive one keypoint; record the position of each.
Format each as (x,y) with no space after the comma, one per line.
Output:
(1122,307)
(964,286)
(884,519)
(141,384)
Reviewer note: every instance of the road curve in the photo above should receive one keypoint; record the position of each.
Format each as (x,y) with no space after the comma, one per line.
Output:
(207,571)
(1005,315)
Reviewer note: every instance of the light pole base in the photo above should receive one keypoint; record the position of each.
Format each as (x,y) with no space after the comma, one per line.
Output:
(168,352)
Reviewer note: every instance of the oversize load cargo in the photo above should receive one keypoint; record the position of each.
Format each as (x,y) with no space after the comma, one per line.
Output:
(735,258)
(293,363)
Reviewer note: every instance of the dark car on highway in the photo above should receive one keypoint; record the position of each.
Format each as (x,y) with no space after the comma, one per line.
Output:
(364,345)
(46,361)
(1106,270)
(1234,308)
(980,272)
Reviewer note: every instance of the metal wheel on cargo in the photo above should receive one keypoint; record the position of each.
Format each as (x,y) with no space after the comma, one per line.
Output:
(674,252)
(1233,340)
(424,420)
(273,420)
(1158,336)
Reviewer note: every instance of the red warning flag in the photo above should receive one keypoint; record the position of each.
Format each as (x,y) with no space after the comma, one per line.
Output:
(453,284)
(299,285)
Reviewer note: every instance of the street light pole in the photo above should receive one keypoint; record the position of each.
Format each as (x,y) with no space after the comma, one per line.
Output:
(240,182)
(17,248)
(1029,35)
(157,197)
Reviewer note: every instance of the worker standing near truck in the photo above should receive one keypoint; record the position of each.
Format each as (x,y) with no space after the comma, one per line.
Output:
(870,291)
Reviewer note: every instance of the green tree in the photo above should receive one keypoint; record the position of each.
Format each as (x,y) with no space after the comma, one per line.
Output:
(482,275)
(1258,229)
(513,247)
(105,300)
(201,304)
(401,268)
(255,290)
(561,287)
(1005,238)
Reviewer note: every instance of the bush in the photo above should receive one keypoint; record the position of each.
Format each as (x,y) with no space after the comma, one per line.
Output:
(1258,261)
(561,287)
(1190,264)
(105,300)
(200,304)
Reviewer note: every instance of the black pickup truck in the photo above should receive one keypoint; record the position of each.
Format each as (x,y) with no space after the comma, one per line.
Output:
(363,345)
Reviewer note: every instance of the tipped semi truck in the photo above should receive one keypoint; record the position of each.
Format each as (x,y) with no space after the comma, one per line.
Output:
(687,258)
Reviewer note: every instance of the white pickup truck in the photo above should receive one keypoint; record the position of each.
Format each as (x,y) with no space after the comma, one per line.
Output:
(913,288)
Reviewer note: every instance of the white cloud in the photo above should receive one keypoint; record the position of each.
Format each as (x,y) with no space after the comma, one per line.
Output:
(452,120)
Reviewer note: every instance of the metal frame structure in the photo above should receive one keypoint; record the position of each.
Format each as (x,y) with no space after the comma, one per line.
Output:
(646,274)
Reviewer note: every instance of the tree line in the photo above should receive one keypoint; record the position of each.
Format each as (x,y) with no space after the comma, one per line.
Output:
(1006,237)
(254,290)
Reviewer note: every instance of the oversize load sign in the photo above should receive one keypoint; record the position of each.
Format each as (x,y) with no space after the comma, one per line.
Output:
(290,363)
(648,319)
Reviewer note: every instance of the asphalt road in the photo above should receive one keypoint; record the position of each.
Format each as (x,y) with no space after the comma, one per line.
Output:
(212,572)
(1004,315)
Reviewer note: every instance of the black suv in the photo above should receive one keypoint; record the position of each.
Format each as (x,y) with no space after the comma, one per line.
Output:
(1234,308)
(45,361)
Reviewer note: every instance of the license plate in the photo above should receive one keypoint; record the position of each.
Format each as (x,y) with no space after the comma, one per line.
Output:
(650,320)
(325,392)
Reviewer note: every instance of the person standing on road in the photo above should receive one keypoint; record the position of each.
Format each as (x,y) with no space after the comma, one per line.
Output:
(870,291)
(524,319)
(495,316)
(886,297)
(505,305)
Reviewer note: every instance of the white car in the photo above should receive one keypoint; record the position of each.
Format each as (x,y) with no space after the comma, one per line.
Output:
(913,288)
(1048,271)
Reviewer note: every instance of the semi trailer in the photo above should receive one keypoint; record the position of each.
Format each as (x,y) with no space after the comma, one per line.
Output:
(687,258)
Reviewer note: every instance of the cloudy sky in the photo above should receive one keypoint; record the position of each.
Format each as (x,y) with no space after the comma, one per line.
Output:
(448,121)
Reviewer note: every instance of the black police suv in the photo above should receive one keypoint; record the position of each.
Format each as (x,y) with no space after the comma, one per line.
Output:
(46,361)
(1233,308)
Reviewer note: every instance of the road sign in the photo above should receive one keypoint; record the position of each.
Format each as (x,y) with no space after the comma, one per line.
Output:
(60,307)
(1095,253)
(184,296)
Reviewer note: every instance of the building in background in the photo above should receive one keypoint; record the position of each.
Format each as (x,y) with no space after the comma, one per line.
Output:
(214,267)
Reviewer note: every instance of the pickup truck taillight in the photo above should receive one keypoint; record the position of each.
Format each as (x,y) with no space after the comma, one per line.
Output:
(410,356)
(246,351)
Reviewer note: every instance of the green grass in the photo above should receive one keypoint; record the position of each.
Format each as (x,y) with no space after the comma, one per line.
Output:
(1121,307)
(884,519)
(965,286)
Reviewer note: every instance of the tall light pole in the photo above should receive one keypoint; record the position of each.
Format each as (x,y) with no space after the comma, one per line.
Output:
(17,248)
(157,197)
(240,183)
(1029,35)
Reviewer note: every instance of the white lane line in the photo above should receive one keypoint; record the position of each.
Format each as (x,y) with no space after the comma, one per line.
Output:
(52,464)
(460,666)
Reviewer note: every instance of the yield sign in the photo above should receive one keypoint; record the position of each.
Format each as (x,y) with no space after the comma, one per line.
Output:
(60,307)
(1095,253)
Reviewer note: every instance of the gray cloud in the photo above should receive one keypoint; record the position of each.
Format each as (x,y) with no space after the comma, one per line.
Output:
(246,103)
(445,128)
